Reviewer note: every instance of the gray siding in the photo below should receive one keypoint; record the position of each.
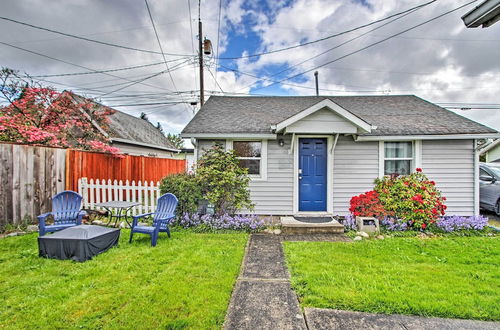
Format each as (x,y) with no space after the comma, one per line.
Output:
(322,122)
(274,196)
(355,167)
(451,164)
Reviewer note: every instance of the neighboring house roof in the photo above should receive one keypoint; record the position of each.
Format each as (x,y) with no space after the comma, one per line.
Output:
(489,146)
(486,14)
(389,115)
(128,129)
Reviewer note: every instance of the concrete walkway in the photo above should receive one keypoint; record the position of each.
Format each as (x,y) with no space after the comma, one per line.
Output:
(331,319)
(263,299)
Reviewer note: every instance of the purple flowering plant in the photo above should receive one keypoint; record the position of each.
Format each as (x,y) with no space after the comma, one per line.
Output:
(455,222)
(208,222)
(445,224)
(349,222)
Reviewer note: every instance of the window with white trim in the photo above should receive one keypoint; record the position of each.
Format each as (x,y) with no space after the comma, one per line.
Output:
(249,154)
(399,158)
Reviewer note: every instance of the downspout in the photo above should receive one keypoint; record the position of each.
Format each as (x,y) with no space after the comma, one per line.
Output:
(195,144)
(476,177)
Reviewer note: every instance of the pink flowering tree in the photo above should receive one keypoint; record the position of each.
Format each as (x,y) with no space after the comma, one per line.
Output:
(37,115)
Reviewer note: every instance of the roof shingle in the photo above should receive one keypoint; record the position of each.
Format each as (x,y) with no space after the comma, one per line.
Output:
(391,114)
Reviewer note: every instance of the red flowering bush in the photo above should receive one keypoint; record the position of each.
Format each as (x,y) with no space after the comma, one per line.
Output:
(367,205)
(413,199)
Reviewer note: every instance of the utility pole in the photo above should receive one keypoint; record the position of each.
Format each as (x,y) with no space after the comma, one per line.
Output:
(200,51)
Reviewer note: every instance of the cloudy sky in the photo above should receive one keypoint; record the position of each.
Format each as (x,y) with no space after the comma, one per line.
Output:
(441,61)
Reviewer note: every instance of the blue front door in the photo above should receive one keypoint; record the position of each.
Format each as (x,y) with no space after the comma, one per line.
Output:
(312,174)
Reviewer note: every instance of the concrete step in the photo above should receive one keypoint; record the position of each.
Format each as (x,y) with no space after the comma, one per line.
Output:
(291,226)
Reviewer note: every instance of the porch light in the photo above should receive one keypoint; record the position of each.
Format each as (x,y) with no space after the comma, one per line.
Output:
(281,142)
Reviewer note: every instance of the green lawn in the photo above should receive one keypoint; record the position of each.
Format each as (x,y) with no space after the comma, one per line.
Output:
(455,277)
(184,282)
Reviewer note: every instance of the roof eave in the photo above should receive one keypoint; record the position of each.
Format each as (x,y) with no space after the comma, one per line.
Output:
(142,144)
(268,136)
(427,137)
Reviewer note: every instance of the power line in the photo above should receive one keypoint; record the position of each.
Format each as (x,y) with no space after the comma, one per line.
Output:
(73,64)
(88,39)
(330,36)
(290,84)
(143,79)
(143,104)
(192,43)
(337,46)
(159,43)
(215,79)
(218,34)
(103,71)
(370,45)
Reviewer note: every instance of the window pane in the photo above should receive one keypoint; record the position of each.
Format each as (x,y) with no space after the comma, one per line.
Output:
(398,150)
(401,167)
(253,165)
(247,148)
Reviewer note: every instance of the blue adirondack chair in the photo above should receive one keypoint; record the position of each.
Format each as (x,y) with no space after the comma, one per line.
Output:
(165,211)
(65,210)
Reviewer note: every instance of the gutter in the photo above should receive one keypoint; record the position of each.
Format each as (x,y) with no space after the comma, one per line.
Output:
(228,135)
(486,14)
(126,141)
(427,137)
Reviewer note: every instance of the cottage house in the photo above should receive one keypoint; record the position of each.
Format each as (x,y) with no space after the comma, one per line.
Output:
(310,154)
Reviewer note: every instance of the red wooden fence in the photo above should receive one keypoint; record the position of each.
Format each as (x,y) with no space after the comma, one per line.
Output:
(93,165)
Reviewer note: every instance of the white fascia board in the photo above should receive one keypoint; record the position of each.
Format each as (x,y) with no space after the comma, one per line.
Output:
(143,144)
(228,136)
(333,107)
(427,137)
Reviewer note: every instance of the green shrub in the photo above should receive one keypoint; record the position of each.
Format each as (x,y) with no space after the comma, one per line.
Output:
(223,182)
(187,190)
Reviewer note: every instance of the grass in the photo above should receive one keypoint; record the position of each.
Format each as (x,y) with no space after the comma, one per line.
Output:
(184,282)
(453,277)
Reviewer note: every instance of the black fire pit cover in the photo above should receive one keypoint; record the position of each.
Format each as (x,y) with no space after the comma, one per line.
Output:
(78,243)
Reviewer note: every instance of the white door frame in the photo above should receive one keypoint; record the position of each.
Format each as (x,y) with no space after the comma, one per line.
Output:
(329,176)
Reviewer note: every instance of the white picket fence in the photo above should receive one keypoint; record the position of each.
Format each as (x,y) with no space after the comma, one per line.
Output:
(100,191)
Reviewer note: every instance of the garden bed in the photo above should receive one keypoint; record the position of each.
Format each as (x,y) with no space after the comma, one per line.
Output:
(184,282)
(454,277)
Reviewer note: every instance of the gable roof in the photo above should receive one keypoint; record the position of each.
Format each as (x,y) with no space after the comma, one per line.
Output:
(390,114)
(328,104)
(128,129)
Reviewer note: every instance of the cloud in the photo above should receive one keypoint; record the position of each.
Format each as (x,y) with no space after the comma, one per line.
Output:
(441,61)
